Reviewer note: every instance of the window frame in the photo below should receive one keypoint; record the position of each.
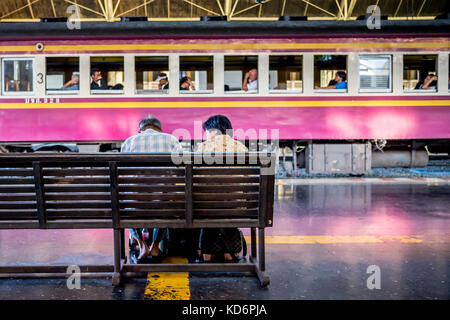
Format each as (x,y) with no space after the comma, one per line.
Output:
(200,92)
(324,90)
(243,92)
(419,91)
(60,91)
(33,75)
(282,91)
(390,89)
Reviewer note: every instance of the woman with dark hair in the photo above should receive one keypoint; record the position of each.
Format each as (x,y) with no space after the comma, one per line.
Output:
(219,138)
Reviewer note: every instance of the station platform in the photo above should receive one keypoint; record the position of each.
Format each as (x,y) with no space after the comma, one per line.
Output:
(326,234)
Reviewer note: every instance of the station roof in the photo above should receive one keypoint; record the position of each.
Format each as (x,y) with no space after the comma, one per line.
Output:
(185,10)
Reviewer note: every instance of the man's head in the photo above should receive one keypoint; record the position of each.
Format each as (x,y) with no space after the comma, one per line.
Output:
(96,74)
(340,76)
(253,74)
(162,78)
(76,77)
(150,122)
(217,124)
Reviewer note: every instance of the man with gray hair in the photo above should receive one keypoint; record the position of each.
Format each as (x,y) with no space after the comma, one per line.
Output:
(150,139)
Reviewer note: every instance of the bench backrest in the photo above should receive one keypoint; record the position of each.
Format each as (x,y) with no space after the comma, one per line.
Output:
(134,190)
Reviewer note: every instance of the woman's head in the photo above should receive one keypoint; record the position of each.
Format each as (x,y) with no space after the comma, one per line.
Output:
(218,124)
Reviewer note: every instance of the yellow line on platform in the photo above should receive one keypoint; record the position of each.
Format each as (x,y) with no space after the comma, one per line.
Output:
(338,239)
(168,285)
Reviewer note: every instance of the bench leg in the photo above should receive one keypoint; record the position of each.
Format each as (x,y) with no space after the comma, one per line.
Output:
(261,267)
(122,245)
(253,242)
(117,253)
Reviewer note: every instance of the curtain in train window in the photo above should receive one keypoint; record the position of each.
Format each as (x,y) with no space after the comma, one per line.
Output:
(196,74)
(152,75)
(420,73)
(17,76)
(375,73)
(62,75)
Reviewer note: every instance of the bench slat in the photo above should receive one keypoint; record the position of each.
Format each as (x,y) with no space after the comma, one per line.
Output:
(76,188)
(10,197)
(18,189)
(8,181)
(152,205)
(225,204)
(17,205)
(151,171)
(16,172)
(226,171)
(71,196)
(222,179)
(75,172)
(150,196)
(225,196)
(81,205)
(144,188)
(151,180)
(80,180)
(225,188)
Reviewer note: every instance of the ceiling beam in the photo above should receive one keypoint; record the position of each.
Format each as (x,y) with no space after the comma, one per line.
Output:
(320,8)
(202,8)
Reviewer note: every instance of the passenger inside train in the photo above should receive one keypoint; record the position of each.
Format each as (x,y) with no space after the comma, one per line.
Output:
(330,72)
(73,83)
(250,80)
(152,74)
(97,81)
(107,73)
(63,75)
(241,74)
(429,83)
(339,82)
(163,81)
(186,84)
(420,73)
(196,74)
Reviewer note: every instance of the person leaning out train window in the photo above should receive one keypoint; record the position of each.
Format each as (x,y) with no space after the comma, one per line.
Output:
(97,81)
(429,83)
(250,80)
(163,82)
(74,83)
(339,82)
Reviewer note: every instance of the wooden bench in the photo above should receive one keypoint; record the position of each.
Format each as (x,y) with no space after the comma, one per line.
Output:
(119,190)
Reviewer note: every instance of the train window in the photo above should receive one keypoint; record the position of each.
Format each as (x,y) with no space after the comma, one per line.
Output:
(196,74)
(375,73)
(152,75)
(420,73)
(17,76)
(106,75)
(241,74)
(330,73)
(285,74)
(63,75)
